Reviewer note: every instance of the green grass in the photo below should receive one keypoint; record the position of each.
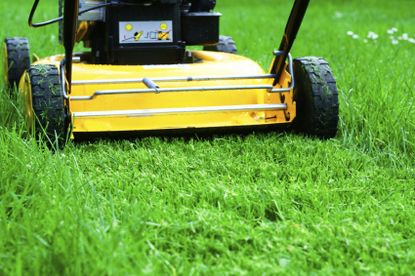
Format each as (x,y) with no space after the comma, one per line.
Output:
(263,203)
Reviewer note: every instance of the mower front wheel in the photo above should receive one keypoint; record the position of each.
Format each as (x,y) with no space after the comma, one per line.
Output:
(50,109)
(16,60)
(316,97)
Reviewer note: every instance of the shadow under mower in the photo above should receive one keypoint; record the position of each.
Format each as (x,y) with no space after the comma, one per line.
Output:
(138,75)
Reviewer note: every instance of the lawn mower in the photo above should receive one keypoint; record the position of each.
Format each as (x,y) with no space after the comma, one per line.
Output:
(139,76)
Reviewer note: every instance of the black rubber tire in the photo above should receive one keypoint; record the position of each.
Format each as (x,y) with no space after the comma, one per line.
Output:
(16,60)
(49,105)
(316,96)
(225,45)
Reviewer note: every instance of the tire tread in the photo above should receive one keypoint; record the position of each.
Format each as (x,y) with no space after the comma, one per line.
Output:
(320,115)
(48,102)
(18,59)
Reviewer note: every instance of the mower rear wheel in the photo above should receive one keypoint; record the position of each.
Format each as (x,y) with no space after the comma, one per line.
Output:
(51,116)
(316,97)
(225,45)
(16,60)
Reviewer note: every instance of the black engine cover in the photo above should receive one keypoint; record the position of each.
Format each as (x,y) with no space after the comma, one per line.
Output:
(121,39)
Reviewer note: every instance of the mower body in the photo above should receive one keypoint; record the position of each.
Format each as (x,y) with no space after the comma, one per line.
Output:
(108,98)
(139,76)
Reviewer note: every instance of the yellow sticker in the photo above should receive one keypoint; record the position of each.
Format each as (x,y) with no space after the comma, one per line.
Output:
(137,36)
(163,26)
(163,36)
(128,27)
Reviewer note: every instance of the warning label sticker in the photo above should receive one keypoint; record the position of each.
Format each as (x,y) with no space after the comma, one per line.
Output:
(146,32)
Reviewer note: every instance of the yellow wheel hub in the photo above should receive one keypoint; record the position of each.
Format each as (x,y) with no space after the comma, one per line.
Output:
(26,94)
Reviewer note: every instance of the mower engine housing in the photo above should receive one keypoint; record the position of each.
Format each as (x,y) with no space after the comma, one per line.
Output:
(132,32)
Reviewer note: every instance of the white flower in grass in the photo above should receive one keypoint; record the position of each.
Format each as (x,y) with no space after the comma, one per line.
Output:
(411,40)
(355,36)
(338,14)
(405,36)
(395,42)
(350,33)
(392,30)
(372,35)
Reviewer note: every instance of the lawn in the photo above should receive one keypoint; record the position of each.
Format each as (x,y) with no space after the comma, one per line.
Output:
(262,203)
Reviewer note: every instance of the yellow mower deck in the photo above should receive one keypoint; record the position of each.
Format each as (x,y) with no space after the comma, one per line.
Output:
(222,90)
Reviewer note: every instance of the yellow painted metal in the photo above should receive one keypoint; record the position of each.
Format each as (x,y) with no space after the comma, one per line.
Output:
(210,64)
(26,94)
(82,30)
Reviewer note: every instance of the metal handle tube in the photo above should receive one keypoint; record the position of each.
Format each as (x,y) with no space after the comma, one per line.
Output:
(167,90)
(70,18)
(150,84)
(293,25)
(175,79)
(154,88)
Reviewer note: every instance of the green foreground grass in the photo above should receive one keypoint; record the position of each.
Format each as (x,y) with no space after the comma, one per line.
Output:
(258,203)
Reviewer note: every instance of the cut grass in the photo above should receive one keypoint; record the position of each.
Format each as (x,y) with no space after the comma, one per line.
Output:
(259,203)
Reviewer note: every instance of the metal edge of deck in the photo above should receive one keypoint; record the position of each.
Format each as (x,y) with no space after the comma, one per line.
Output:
(170,111)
